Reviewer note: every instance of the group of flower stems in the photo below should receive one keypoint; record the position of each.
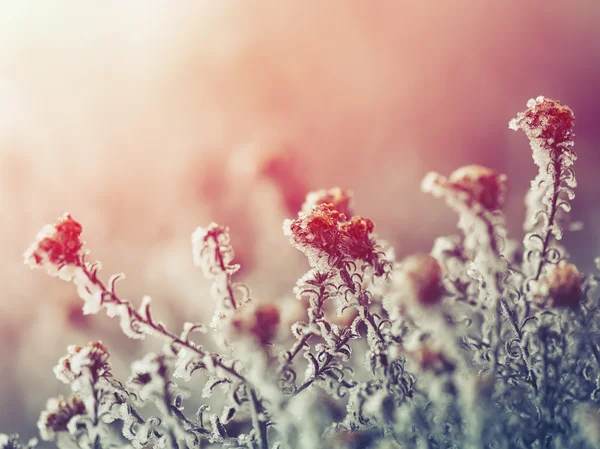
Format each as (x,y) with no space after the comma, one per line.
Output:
(355,296)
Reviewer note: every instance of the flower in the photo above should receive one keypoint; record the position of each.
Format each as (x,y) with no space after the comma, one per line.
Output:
(59,411)
(482,185)
(316,233)
(94,356)
(562,285)
(470,185)
(549,128)
(546,120)
(324,233)
(57,246)
(358,232)
(420,276)
(259,321)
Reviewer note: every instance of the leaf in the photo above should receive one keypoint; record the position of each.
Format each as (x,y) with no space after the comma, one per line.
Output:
(313,367)
(200,414)
(345,351)
(219,432)
(211,384)
(227,414)
(189,328)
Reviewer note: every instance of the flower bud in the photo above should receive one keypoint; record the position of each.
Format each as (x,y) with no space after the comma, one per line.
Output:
(545,120)
(57,246)
(562,285)
(59,411)
(482,185)
(327,236)
(421,278)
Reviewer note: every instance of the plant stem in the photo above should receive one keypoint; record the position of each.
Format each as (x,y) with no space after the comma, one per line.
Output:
(552,216)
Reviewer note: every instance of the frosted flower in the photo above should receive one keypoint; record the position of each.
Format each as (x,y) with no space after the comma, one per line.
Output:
(57,248)
(545,119)
(316,233)
(59,411)
(482,185)
(358,241)
(562,284)
(212,251)
(258,321)
(548,125)
(327,234)
(339,198)
(472,184)
(94,356)
(420,278)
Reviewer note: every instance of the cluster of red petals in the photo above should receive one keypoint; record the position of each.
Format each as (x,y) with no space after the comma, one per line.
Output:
(64,246)
(328,231)
(64,409)
(546,119)
(424,276)
(357,233)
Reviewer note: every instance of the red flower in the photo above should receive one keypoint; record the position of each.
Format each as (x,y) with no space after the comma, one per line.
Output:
(325,233)
(317,230)
(57,245)
(547,120)
(482,185)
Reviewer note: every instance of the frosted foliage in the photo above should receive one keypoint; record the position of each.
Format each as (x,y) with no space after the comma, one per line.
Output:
(549,127)
(482,343)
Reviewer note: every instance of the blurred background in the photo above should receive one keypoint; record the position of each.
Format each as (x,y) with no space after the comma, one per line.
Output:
(145,119)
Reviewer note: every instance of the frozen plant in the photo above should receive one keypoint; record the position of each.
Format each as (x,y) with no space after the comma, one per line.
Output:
(482,343)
